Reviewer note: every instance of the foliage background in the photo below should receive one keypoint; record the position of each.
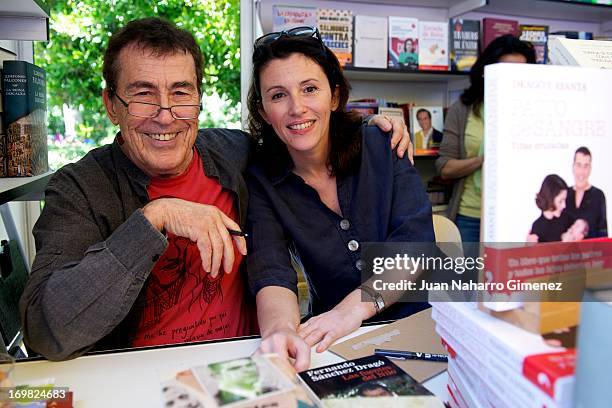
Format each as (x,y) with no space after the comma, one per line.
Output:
(72,58)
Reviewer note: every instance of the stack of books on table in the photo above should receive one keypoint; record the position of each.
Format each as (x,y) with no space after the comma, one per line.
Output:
(493,363)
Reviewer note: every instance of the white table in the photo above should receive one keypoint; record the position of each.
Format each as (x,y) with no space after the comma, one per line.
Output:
(132,378)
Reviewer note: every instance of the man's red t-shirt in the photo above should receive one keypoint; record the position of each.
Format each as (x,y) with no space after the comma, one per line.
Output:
(183,302)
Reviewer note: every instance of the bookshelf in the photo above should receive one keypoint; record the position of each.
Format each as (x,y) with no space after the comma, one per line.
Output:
(24,20)
(21,22)
(430,88)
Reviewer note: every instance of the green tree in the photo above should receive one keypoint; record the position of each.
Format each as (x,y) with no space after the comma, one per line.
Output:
(79,33)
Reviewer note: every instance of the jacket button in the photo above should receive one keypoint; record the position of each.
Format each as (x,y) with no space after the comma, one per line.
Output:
(353,245)
(345,224)
(359,264)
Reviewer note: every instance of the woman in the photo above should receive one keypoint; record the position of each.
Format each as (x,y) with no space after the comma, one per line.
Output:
(322,185)
(461,148)
(553,222)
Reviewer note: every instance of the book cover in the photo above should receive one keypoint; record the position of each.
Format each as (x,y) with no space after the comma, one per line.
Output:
(537,35)
(240,383)
(496,27)
(25,103)
(464,43)
(581,53)
(370,42)
(403,43)
(427,124)
(369,381)
(286,17)
(433,45)
(336,29)
(539,115)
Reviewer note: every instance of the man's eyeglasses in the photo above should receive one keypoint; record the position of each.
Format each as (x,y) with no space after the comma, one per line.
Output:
(151,110)
(294,32)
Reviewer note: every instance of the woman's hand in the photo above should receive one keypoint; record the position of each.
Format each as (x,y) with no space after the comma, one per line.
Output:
(288,345)
(328,327)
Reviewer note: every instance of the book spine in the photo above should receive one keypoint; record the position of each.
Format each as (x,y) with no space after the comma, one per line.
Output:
(489,171)
(25,119)
(512,387)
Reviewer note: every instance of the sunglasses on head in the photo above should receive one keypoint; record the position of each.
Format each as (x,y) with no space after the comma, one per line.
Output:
(305,32)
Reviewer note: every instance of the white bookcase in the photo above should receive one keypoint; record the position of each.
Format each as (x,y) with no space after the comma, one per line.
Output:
(21,22)
(424,88)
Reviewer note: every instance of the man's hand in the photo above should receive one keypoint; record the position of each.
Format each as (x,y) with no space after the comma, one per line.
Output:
(287,344)
(400,136)
(328,327)
(205,225)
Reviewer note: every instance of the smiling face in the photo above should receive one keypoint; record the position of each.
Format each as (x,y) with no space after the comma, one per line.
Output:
(582,170)
(297,102)
(424,120)
(161,146)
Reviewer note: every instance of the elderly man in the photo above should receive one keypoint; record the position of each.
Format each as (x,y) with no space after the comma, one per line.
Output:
(139,242)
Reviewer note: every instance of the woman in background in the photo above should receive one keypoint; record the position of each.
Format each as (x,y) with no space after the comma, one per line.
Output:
(554,221)
(461,152)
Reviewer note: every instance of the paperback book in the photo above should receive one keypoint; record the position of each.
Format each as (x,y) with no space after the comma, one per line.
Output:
(433,45)
(496,27)
(403,42)
(464,43)
(287,17)
(426,123)
(368,381)
(537,35)
(336,29)
(370,42)
(241,383)
(581,53)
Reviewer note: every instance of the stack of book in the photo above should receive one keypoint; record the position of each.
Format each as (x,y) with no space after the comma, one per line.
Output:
(493,363)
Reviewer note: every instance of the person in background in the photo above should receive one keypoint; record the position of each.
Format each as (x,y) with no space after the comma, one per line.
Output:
(139,241)
(585,200)
(321,184)
(461,148)
(554,221)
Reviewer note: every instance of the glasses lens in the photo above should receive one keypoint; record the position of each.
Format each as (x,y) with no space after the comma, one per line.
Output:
(185,111)
(143,110)
(266,39)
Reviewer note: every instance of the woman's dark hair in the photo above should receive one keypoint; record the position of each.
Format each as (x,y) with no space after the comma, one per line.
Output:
(504,45)
(551,187)
(345,138)
(155,34)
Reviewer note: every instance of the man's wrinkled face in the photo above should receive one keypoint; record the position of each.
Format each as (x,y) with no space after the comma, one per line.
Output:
(161,146)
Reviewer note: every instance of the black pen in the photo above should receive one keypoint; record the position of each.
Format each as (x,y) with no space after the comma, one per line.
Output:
(411,355)
(237,233)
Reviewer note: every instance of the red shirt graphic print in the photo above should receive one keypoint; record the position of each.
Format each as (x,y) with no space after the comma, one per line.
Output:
(183,302)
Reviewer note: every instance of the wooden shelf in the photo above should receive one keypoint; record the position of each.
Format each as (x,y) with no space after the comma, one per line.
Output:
(377,74)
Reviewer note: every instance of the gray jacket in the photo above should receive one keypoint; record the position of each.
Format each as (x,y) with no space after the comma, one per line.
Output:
(453,147)
(95,249)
